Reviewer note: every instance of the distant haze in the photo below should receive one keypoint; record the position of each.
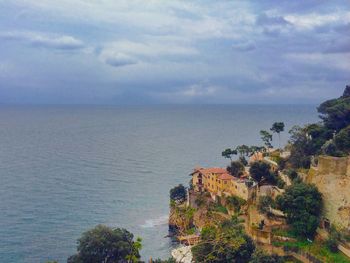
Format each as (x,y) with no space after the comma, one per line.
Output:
(160,52)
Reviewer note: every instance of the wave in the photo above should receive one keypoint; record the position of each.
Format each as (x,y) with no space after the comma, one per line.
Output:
(150,223)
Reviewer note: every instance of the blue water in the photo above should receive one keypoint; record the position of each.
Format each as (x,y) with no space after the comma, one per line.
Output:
(65,169)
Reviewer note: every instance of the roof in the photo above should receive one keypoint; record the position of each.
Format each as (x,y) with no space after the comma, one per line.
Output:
(214,170)
(225,176)
(211,170)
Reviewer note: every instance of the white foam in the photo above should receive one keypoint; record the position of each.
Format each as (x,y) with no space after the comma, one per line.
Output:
(150,223)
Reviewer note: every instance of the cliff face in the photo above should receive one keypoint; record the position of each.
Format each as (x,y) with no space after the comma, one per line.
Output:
(332,178)
(180,219)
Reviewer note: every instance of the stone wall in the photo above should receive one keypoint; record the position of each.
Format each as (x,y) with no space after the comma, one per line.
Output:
(332,177)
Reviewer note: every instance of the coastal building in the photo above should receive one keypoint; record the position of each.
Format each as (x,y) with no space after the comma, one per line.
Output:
(332,178)
(218,182)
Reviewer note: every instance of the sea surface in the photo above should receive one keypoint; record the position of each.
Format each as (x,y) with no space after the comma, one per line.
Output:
(65,169)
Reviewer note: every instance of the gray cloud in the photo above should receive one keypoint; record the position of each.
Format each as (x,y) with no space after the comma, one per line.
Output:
(181,51)
(265,20)
(339,47)
(120,60)
(62,42)
(244,47)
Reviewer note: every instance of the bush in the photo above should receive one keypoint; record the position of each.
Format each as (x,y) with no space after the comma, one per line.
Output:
(220,209)
(178,193)
(264,204)
(104,244)
(302,203)
(332,244)
(235,202)
(200,200)
(260,256)
(280,183)
(224,243)
(236,168)
(292,174)
(259,170)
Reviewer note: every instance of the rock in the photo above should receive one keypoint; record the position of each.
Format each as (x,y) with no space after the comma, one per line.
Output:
(182,254)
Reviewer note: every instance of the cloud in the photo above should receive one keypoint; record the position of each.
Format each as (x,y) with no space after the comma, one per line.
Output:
(169,47)
(264,20)
(62,42)
(120,60)
(312,20)
(339,47)
(199,90)
(149,50)
(331,61)
(244,47)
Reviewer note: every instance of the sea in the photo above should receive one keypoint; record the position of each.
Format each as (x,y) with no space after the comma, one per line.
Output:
(66,169)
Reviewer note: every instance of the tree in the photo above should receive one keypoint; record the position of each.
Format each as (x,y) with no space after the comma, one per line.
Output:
(243,150)
(335,113)
(302,203)
(342,141)
(169,260)
(260,256)
(266,137)
(178,193)
(107,245)
(278,127)
(227,153)
(255,150)
(225,243)
(301,148)
(236,168)
(264,204)
(235,202)
(260,170)
(292,174)
(333,239)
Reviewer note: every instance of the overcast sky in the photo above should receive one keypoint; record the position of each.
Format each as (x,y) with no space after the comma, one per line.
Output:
(141,52)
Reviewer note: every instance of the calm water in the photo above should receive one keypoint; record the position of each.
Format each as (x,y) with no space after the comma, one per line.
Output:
(65,169)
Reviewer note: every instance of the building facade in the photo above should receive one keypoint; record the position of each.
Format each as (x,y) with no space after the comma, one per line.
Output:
(332,178)
(218,182)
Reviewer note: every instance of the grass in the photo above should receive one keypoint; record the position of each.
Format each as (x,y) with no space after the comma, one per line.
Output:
(317,249)
(283,233)
(221,209)
(191,231)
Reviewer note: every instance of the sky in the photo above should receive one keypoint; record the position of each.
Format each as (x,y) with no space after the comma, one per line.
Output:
(173,52)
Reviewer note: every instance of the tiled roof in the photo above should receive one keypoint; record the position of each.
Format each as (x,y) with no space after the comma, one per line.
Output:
(214,170)
(225,176)
(211,170)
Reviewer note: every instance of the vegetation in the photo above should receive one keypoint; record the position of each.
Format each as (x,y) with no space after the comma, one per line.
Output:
(224,243)
(266,137)
(264,204)
(260,256)
(278,127)
(227,153)
(317,249)
(260,171)
(169,260)
(235,202)
(178,193)
(104,244)
(331,136)
(292,174)
(335,113)
(302,203)
(236,168)
(333,240)
(220,209)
